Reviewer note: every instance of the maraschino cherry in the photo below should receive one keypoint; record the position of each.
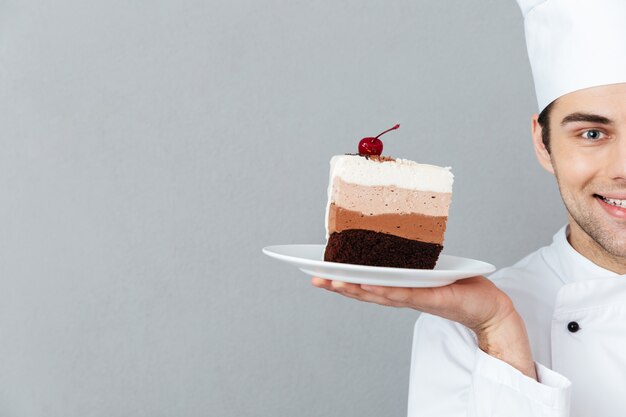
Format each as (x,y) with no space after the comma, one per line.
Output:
(373,146)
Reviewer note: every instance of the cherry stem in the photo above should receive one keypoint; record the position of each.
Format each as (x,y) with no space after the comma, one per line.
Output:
(388,130)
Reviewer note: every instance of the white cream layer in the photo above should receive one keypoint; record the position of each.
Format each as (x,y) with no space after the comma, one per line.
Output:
(402,173)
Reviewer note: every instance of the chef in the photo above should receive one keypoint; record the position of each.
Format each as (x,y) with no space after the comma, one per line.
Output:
(547,336)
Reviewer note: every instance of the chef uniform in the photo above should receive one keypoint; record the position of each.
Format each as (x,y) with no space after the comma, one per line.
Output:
(574,310)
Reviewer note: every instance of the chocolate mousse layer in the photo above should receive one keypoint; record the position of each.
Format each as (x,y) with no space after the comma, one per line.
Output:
(365,247)
(415,226)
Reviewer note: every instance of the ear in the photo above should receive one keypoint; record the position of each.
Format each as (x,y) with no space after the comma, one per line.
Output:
(543,156)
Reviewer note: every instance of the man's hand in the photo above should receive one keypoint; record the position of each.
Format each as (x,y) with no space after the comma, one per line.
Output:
(474,302)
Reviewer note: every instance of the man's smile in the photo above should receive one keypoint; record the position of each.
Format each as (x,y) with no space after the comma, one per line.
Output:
(614,206)
(612,201)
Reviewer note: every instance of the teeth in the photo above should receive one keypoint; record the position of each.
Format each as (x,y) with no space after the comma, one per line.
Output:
(613,202)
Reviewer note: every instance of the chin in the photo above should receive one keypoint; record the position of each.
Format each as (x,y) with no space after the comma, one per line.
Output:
(610,238)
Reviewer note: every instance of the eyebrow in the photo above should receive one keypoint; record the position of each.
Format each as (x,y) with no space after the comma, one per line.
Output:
(586,117)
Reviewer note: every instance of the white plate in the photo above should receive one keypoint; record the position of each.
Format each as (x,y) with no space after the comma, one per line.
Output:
(309,259)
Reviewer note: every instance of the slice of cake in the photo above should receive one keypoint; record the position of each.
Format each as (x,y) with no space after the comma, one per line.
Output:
(386,212)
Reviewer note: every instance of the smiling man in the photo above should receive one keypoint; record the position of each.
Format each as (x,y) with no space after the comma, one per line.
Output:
(547,336)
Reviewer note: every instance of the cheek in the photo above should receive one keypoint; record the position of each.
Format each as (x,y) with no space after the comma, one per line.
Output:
(577,167)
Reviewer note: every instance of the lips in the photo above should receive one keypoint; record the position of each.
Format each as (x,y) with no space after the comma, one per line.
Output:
(612,201)
(615,207)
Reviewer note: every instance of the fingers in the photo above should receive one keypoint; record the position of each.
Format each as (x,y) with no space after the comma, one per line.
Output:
(335,286)
(399,294)
(332,285)
(354,291)
(320,282)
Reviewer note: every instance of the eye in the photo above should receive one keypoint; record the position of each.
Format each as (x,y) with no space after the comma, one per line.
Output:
(592,134)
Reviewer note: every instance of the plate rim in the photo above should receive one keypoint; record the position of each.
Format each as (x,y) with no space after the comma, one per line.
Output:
(269,251)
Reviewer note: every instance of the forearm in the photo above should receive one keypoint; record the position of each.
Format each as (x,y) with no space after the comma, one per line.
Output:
(508,341)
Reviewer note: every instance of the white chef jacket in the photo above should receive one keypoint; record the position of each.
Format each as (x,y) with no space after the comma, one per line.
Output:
(575,314)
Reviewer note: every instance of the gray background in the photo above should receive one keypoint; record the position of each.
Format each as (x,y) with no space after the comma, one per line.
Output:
(150,149)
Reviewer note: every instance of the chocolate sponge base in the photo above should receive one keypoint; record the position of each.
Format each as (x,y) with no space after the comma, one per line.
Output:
(364,247)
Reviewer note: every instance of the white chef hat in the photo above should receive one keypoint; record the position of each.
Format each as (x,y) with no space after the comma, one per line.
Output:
(574,44)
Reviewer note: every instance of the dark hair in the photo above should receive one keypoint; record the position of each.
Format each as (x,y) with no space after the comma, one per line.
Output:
(544,122)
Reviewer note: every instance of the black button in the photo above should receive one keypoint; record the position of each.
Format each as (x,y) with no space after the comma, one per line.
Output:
(573,327)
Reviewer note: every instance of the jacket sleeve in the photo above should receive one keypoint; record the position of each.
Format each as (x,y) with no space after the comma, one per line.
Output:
(450,376)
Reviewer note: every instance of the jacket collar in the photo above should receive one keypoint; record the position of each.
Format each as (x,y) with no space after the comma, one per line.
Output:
(574,267)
